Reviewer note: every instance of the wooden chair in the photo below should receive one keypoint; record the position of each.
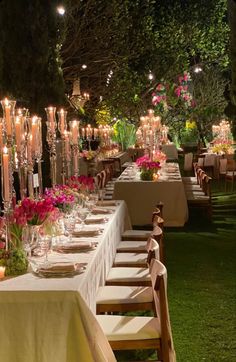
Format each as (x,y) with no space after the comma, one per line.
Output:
(188,162)
(139,246)
(192,179)
(141,235)
(136,259)
(112,298)
(132,333)
(230,174)
(202,199)
(209,164)
(134,276)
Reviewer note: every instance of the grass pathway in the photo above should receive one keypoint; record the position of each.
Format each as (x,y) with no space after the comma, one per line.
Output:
(201,285)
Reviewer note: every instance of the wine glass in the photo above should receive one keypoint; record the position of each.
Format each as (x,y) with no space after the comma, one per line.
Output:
(83,213)
(30,238)
(69,226)
(45,246)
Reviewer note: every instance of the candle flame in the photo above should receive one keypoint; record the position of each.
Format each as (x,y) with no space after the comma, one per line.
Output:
(5,150)
(6,101)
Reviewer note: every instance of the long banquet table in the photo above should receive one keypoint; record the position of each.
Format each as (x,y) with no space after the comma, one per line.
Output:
(49,319)
(141,197)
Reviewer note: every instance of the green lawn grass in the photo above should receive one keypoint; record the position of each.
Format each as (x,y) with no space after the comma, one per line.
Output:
(201,264)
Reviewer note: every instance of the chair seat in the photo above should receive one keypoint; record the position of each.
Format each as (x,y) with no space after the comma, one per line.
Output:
(129,259)
(128,276)
(191,180)
(109,188)
(118,328)
(132,246)
(110,294)
(189,187)
(136,234)
(198,198)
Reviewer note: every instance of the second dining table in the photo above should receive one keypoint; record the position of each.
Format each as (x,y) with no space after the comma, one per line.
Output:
(141,197)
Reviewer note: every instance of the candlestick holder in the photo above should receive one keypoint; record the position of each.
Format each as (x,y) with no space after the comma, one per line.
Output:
(51,140)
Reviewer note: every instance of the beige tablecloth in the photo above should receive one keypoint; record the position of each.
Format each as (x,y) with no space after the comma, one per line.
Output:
(141,197)
(45,320)
(170,150)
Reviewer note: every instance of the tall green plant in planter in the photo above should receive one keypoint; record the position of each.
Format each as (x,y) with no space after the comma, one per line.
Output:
(124,134)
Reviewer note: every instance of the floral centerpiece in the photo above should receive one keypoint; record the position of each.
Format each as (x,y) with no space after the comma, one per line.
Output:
(147,167)
(159,156)
(81,183)
(29,213)
(61,196)
(222,146)
(89,155)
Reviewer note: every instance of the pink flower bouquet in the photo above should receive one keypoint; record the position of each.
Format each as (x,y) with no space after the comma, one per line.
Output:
(81,183)
(61,196)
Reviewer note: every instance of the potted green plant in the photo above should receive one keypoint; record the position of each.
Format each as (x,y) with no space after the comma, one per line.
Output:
(124,134)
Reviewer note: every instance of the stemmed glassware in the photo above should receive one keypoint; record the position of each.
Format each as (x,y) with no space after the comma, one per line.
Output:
(83,213)
(69,226)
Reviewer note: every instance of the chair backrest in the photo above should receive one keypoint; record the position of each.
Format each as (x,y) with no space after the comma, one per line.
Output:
(223,166)
(157,220)
(209,160)
(159,206)
(206,185)
(153,250)
(157,234)
(200,161)
(231,165)
(159,285)
(104,178)
(188,161)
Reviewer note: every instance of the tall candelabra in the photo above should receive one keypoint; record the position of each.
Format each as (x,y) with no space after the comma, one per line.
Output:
(51,140)
(7,142)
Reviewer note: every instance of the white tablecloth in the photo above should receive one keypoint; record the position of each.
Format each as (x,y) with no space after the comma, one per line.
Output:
(141,197)
(170,150)
(45,320)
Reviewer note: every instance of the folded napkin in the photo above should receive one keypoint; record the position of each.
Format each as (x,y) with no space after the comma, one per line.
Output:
(106,203)
(75,247)
(100,220)
(58,267)
(87,233)
(101,211)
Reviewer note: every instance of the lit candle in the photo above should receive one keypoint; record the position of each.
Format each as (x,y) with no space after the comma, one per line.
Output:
(29,148)
(5,170)
(67,145)
(62,120)
(95,132)
(8,117)
(2,272)
(18,133)
(34,133)
(74,132)
(83,132)
(51,112)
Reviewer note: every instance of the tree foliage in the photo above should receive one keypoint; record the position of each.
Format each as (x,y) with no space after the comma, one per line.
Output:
(30,53)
